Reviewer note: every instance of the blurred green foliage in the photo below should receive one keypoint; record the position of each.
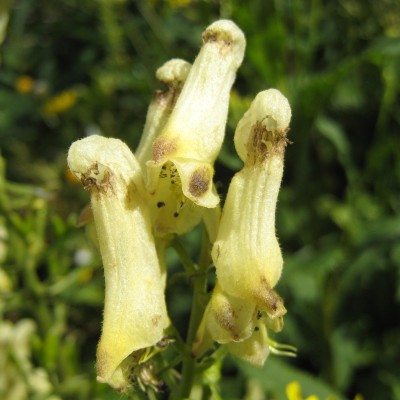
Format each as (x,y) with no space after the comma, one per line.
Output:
(70,68)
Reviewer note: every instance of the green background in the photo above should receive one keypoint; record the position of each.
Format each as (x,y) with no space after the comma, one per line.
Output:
(338,220)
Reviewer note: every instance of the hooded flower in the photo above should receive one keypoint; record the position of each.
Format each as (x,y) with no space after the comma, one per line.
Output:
(170,213)
(185,151)
(246,252)
(135,314)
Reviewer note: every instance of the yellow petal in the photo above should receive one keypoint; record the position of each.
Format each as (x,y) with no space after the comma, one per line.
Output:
(293,391)
(230,319)
(225,320)
(171,211)
(253,350)
(173,73)
(195,130)
(266,120)
(135,314)
(246,252)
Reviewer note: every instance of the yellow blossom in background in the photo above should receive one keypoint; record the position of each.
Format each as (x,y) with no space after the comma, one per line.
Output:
(24,84)
(60,103)
(293,392)
(178,3)
(171,3)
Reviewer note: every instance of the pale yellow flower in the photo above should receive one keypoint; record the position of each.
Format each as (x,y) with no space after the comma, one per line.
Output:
(193,134)
(239,325)
(246,252)
(135,315)
(170,210)
(173,73)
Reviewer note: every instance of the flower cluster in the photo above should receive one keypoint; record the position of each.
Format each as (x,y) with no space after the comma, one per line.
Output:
(140,201)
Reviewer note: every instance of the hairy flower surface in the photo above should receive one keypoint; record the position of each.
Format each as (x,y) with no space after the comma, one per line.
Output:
(238,324)
(246,253)
(173,73)
(139,202)
(193,134)
(135,314)
(169,210)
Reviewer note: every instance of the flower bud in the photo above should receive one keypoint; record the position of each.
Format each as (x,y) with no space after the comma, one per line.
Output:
(193,135)
(135,314)
(173,73)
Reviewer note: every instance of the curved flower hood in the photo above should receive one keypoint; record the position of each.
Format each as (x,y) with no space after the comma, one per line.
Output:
(135,314)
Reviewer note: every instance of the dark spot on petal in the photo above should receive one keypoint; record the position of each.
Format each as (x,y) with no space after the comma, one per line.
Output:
(156,319)
(93,182)
(263,143)
(269,300)
(211,35)
(162,148)
(199,182)
(160,204)
(176,214)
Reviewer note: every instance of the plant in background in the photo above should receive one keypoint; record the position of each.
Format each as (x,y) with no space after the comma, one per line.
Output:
(141,202)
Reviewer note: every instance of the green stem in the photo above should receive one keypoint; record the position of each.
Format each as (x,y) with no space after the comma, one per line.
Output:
(184,257)
(199,281)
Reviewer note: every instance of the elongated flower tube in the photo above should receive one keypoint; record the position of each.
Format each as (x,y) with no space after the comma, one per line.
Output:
(193,135)
(246,253)
(135,314)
